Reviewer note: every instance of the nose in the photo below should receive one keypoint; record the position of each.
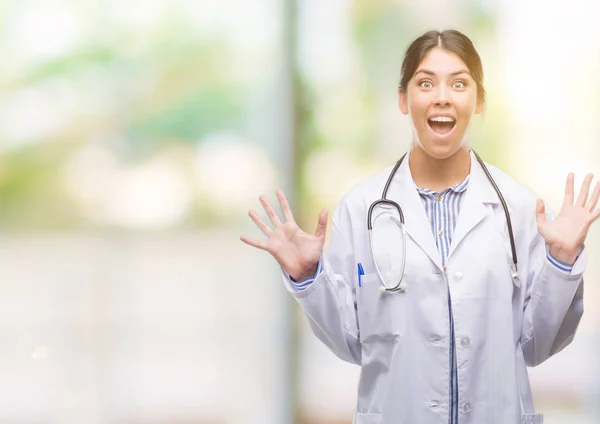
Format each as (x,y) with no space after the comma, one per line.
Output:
(442,97)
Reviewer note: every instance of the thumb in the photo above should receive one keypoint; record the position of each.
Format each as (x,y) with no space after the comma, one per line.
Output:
(322,224)
(540,212)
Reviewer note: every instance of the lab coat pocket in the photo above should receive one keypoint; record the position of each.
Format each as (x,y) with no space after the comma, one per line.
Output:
(380,315)
(532,419)
(364,418)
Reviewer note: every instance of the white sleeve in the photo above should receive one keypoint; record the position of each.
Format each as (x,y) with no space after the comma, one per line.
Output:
(553,302)
(329,302)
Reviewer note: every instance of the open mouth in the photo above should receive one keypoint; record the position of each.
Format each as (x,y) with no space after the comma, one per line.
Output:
(441,125)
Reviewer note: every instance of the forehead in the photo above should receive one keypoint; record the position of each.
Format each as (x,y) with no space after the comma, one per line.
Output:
(441,62)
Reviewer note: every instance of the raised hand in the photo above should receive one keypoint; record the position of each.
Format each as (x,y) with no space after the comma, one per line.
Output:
(566,234)
(296,252)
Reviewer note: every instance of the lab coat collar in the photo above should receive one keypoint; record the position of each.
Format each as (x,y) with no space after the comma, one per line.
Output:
(473,209)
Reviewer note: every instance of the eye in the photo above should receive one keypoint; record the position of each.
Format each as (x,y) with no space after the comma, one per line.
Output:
(425,84)
(459,84)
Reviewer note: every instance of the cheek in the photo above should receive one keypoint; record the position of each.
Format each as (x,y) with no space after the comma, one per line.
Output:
(466,103)
(418,106)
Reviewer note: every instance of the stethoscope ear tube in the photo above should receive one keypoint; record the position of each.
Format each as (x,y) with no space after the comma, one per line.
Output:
(515,271)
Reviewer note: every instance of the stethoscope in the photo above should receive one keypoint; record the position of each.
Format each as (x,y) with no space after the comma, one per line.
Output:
(401,285)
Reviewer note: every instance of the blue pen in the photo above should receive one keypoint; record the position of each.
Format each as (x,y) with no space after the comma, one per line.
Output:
(361,272)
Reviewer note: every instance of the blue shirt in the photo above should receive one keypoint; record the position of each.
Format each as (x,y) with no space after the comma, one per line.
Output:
(442,210)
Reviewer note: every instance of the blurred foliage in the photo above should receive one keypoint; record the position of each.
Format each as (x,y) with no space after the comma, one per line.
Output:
(167,87)
(193,116)
(30,191)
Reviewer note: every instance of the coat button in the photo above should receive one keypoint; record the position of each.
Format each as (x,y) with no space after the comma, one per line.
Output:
(434,404)
(465,341)
(467,408)
(458,276)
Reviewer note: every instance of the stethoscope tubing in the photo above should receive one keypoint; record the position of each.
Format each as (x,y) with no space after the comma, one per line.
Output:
(401,286)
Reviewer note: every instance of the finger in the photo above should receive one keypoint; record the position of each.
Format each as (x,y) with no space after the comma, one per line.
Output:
(259,244)
(569,191)
(269,210)
(322,224)
(591,205)
(540,217)
(260,223)
(540,211)
(285,207)
(585,190)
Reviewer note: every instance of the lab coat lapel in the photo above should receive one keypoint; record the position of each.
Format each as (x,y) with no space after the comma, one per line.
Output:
(473,208)
(404,191)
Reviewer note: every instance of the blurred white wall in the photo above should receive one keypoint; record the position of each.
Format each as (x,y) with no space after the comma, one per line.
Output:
(140,328)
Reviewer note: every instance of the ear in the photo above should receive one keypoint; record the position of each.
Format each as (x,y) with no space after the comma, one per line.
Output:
(479,107)
(402,102)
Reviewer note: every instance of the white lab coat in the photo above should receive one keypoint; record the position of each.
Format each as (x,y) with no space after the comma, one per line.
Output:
(401,341)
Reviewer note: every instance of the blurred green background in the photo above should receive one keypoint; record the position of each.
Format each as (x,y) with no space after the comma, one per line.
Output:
(135,136)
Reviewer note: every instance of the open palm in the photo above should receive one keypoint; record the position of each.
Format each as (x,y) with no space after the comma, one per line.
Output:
(568,231)
(296,251)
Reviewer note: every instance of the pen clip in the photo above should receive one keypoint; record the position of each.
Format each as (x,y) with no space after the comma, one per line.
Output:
(361,272)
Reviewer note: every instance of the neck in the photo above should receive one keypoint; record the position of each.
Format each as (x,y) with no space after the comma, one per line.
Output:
(439,174)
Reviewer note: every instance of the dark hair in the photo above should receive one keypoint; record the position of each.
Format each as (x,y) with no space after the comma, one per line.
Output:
(450,40)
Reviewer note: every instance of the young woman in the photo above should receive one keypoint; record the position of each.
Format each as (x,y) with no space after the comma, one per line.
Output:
(462,282)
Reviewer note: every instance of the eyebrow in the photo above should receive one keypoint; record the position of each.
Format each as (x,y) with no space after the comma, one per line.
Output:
(428,72)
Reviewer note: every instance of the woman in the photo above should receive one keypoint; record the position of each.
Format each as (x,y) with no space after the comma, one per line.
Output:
(452,343)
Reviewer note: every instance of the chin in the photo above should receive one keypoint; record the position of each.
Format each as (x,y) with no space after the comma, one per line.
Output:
(441,149)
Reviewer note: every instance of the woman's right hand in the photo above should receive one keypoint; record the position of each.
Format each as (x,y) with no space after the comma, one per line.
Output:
(296,252)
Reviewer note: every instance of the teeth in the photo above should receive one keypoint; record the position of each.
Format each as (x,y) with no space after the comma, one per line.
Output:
(442,119)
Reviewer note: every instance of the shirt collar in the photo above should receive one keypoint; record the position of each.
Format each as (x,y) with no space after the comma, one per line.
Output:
(457,188)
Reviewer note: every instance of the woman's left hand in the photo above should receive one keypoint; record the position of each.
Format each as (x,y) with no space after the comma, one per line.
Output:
(566,234)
